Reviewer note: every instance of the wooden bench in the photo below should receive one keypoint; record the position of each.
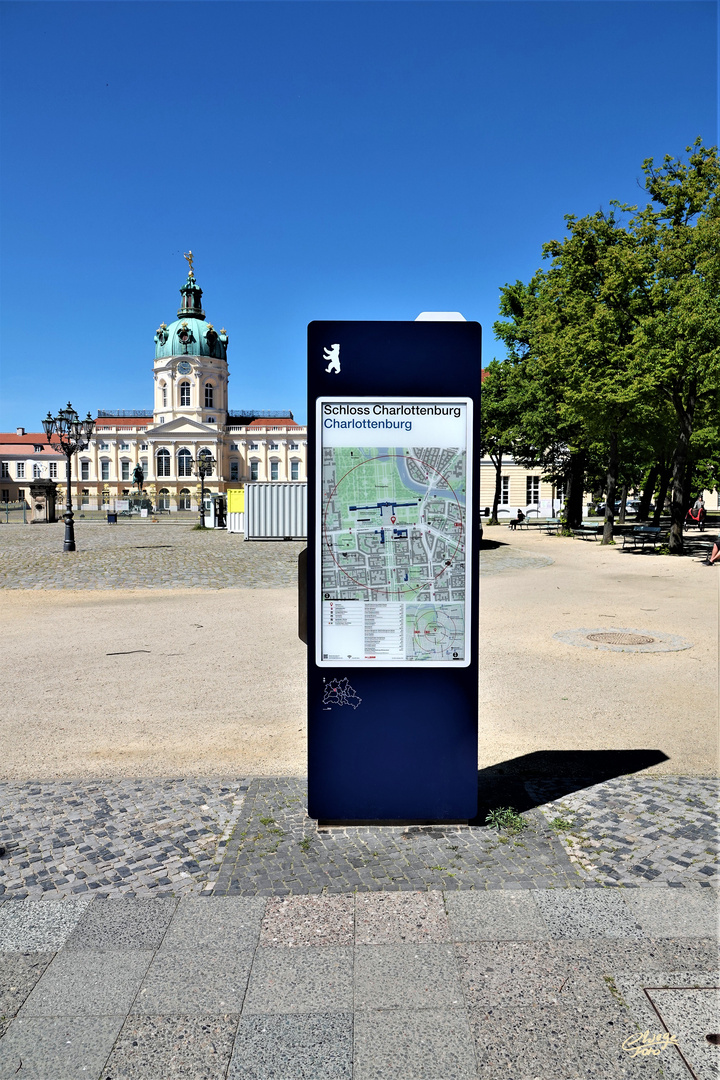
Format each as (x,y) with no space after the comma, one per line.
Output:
(640,535)
(552,526)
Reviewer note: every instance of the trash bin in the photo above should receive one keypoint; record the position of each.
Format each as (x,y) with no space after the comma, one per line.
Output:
(112,517)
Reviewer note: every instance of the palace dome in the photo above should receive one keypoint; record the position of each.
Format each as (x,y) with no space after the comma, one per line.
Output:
(190,334)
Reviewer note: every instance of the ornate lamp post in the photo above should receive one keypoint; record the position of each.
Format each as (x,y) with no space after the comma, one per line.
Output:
(204,466)
(71,434)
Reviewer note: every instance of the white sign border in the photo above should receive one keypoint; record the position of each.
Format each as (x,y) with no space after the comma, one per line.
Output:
(348,399)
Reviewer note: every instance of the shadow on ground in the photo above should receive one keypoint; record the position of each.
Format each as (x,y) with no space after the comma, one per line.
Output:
(506,784)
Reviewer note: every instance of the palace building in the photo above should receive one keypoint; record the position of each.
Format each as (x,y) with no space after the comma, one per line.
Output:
(189,418)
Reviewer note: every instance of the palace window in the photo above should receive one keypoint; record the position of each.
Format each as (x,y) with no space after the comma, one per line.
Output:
(124,470)
(84,470)
(163,499)
(294,470)
(209,397)
(37,448)
(5,472)
(36,472)
(273,446)
(184,463)
(254,470)
(85,500)
(274,470)
(20,470)
(163,394)
(103,446)
(234,470)
(253,446)
(6,494)
(532,490)
(163,462)
(233,446)
(104,469)
(184,394)
(294,446)
(143,446)
(504,490)
(53,470)
(184,500)
(124,446)
(144,467)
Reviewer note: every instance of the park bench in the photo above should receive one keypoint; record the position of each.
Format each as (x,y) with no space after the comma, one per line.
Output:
(640,535)
(527,521)
(587,531)
(553,525)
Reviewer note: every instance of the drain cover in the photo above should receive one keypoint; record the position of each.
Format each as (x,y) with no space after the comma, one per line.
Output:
(621,639)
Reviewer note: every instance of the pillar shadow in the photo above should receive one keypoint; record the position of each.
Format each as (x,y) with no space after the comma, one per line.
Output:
(534,779)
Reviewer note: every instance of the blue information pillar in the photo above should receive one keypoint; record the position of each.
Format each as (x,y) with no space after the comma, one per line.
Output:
(393,526)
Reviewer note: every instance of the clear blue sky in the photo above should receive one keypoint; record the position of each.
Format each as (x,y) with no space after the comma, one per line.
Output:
(323,160)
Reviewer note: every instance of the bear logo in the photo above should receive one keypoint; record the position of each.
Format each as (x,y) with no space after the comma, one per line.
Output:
(333,355)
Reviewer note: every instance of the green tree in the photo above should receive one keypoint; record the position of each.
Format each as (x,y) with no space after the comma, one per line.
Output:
(678,338)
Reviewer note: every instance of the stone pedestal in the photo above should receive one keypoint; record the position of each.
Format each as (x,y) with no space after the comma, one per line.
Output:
(42,501)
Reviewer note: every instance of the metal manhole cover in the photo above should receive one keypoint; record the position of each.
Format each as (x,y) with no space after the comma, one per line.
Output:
(621,639)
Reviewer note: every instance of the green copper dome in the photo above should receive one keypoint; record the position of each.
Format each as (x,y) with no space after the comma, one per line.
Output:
(190,334)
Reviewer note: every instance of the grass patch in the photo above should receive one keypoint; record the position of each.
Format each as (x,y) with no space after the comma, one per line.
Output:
(561,824)
(304,844)
(267,820)
(506,818)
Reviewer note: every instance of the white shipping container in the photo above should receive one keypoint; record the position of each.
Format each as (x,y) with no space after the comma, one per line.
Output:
(276,511)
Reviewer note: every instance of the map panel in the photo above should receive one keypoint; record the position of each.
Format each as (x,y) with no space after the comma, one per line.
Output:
(393,562)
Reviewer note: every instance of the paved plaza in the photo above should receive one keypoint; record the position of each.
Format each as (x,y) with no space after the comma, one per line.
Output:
(167,908)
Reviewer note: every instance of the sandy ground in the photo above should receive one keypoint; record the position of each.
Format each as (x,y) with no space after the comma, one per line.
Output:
(218,686)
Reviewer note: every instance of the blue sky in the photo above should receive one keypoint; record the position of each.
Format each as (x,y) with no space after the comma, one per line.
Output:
(323,160)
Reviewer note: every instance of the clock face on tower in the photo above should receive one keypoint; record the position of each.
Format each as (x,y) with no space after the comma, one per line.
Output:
(184,368)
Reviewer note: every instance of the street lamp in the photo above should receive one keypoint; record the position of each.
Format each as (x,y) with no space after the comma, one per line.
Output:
(72,434)
(204,466)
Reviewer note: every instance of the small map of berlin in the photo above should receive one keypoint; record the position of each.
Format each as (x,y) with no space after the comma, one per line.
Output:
(340,692)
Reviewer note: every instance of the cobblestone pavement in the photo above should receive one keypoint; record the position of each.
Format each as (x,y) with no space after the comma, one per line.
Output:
(115,837)
(140,555)
(252,837)
(637,830)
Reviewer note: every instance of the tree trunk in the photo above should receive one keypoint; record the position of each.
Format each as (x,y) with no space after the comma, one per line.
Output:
(623,501)
(688,484)
(646,497)
(680,458)
(612,475)
(497,462)
(576,482)
(662,492)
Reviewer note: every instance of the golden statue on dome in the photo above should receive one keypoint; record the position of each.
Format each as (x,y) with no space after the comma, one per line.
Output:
(189,258)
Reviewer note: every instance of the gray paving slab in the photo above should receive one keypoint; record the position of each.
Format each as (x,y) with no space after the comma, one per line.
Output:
(573,913)
(691,954)
(690,1014)
(19,972)
(86,982)
(405,1044)
(542,1042)
(300,1046)
(123,923)
(386,918)
(172,1047)
(58,1047)
(674,912)
(308,920)
(499,915)
(222,922)
(37,926)
(313,979)
(206,982)
(406,976)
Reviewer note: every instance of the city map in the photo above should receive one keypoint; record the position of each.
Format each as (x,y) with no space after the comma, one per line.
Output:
(393,553)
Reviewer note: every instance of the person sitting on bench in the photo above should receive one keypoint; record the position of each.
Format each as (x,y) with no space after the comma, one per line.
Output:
(514,522)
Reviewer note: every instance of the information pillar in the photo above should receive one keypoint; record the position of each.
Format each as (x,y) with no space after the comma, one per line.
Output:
(393,527)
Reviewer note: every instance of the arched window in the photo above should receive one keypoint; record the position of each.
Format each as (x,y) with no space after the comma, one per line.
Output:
(163,394)
(209,396)
(163,462)
(184,463)
(163,502)
(184,500)
(184,394)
